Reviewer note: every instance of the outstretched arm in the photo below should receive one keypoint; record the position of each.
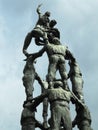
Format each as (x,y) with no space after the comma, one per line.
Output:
(37,100)
(38,10)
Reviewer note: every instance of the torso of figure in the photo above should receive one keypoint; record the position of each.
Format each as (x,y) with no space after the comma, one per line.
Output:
(56,94)
(43,21)
(55,49)
(29,68)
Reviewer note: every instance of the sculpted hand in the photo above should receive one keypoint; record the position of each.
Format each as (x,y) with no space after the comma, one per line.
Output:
(39,5)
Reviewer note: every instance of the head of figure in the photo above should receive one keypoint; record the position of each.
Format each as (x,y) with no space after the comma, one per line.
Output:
(58,84)
(52,23)
(47,14)
(56,41)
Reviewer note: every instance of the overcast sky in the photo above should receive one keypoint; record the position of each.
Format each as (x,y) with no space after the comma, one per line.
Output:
(78,24)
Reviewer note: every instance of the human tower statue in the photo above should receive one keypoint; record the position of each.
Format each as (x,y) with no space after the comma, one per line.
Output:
(55,92)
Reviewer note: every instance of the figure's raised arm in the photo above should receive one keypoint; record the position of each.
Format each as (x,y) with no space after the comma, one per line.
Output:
(38,10)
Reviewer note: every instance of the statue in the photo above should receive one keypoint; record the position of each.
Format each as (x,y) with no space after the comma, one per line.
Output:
(57,92)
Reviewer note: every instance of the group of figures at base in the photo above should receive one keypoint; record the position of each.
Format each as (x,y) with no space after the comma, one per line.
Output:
(55,92)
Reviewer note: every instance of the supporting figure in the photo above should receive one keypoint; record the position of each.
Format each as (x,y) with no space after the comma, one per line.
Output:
(83,117)
(30,76)
(59,105)
(75,76)
(57,54)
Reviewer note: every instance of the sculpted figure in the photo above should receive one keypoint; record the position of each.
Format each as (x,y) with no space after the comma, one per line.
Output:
(30,76)
(59,105)
(56,54)
(41,27)
(39,30)
(75,76)
(83,118)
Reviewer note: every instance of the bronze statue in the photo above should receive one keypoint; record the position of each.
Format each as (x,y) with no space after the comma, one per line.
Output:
(57,92)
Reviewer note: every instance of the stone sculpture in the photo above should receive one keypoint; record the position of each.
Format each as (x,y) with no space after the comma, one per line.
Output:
(57,93)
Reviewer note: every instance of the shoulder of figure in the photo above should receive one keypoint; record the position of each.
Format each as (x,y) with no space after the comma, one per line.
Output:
(65,46)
